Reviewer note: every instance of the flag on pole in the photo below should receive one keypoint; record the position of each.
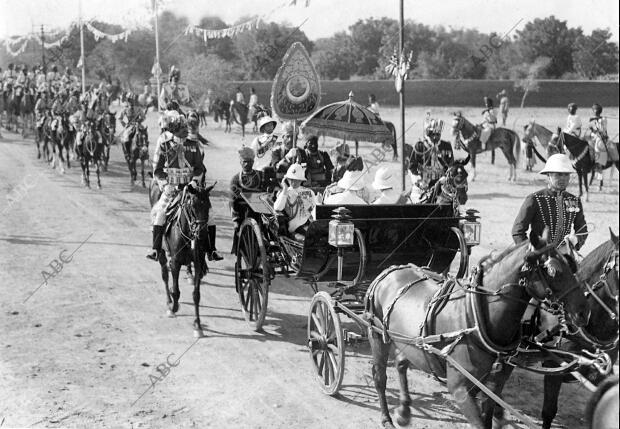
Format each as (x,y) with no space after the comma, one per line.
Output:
(156,70)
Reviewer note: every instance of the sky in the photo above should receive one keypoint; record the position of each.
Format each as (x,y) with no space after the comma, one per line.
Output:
(324,17)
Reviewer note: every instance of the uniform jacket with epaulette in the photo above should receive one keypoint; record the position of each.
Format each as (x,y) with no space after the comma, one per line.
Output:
(171,153)
(558,211)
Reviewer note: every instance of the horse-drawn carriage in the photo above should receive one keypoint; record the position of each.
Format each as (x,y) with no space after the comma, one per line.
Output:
(345,248)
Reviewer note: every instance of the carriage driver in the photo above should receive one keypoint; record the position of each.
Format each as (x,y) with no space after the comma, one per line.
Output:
(177,162)
(553,208)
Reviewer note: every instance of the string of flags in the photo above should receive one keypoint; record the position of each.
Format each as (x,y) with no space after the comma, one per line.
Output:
(206,34)
(112,37)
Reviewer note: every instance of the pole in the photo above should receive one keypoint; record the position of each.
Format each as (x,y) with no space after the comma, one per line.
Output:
(157,67)
(42,47)
(401,47)
(82,59)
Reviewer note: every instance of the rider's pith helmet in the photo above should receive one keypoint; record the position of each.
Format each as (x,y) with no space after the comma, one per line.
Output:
(383,179)
(558,163)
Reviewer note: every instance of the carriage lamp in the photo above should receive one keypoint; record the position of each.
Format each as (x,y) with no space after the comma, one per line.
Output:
(472,229)
(341,229)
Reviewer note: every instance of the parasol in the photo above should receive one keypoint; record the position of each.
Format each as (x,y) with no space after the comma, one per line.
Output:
(347,120)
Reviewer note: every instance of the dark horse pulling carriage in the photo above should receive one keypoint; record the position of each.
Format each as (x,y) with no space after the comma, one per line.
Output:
(345,248)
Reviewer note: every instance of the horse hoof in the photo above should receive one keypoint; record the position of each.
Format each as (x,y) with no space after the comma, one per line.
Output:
(99,187)
(388,425)
(171,314)
(198,333)
(403,416)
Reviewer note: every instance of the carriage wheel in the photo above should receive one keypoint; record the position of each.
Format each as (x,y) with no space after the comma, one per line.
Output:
(325,343)
(463,251)
(252,274)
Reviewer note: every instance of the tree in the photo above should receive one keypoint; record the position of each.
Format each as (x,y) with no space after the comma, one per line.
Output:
(594,55)
(549,37)
(368,38)
(202,73)
(526,76)
(334,57)
(260,52)
(224,47)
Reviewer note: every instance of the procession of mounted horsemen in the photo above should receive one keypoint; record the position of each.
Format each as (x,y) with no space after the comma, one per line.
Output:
(309,207)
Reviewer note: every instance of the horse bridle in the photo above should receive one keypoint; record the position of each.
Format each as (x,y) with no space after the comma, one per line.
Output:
(195,225)
(550,302)
(610,265)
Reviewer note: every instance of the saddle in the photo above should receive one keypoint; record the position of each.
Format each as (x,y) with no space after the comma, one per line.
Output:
(172,211)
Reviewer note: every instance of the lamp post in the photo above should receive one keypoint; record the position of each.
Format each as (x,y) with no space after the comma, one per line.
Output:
(341,232)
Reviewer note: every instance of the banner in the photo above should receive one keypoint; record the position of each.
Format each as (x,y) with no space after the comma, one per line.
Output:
(296,90)
(19,50)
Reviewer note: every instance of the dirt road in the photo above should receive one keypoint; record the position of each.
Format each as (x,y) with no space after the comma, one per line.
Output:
(83,349)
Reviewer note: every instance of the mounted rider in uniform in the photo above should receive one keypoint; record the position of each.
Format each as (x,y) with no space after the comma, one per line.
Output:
(131,119)
(573,121)
(489,122)
(177,163)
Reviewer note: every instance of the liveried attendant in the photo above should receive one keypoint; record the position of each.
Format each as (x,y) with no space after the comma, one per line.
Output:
(553,208)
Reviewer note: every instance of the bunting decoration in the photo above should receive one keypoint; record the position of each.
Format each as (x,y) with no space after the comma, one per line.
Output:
(9,48)
(223,32)
(112,37)
(206,34)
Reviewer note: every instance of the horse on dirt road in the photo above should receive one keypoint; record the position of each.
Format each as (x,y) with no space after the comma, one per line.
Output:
(107,129)
(503,138)
(135,147)
(464,333)
(239,112)
(184,243)
(62,136)
(91,151)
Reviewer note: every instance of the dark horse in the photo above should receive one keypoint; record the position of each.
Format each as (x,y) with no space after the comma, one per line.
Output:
(27,110)
(452,187)
(91,150)
(583,158)
(221,112)
(475,326)
(507,140)
(183,243)
(135,147)
(62,134)
(599,271)
(107,128)
(239,113)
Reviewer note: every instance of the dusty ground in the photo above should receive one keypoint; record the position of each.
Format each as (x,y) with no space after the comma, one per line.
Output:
(79,351)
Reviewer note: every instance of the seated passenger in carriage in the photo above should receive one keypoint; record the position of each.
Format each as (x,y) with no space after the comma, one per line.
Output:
(296,201)
(278,162)
(262,144)
(343,153)
(384,183)
(350,189)
(319,165)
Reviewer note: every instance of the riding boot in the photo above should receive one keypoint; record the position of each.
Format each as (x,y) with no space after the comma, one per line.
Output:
(213,255)
(158,235)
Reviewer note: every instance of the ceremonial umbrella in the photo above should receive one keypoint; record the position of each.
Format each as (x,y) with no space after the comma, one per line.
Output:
(347,120)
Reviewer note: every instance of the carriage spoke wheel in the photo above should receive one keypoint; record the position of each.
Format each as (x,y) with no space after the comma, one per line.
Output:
(252,274)
(325,343)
